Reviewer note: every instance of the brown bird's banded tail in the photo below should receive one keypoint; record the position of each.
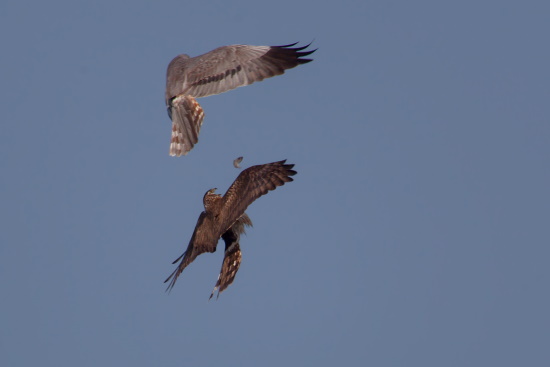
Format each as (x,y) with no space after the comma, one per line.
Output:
(230,266)
(232,257)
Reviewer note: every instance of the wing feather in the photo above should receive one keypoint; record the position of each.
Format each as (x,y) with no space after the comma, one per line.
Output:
(232,256)
(229,67)
(204,239)
(187,117)
(251,184)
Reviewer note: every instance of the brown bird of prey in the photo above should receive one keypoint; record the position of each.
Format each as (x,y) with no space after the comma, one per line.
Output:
(225,217)
(215,72)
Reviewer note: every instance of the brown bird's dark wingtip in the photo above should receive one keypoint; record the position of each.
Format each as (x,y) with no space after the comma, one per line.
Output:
(167,279)
(289,168)
(178,259)
(172,278)
(168,288)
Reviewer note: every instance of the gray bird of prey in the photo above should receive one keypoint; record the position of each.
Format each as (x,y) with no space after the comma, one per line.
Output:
(218,71)
(225,217)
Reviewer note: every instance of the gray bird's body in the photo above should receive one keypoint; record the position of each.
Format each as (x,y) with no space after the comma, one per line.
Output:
(218,71)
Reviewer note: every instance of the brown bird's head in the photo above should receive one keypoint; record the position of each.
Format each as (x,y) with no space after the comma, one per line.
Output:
(209,198)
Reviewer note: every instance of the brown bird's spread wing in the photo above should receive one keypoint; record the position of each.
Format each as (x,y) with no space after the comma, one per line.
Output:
(232,256)
(252,183)
(187,116)
(204,239)
(229,67)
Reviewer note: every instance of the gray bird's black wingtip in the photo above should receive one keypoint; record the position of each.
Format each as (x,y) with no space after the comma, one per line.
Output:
(298,51)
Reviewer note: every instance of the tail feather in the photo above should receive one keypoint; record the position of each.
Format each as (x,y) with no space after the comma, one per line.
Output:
(233,256)
(187,117)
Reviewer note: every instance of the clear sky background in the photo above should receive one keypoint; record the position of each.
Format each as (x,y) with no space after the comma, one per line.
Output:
(416,232)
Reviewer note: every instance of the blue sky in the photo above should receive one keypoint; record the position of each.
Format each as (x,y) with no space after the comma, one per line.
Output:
(415,233)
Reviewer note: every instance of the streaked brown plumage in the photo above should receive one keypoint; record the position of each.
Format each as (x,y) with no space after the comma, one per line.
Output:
(232,256)
(225,217)
(215,72)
